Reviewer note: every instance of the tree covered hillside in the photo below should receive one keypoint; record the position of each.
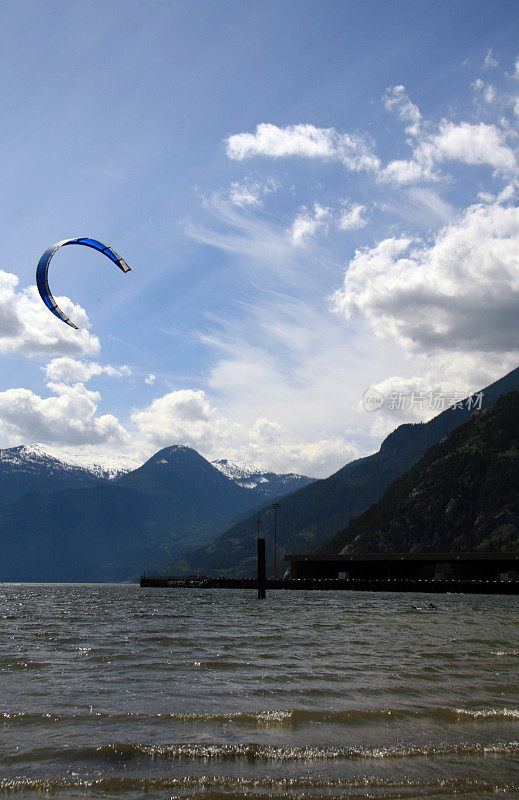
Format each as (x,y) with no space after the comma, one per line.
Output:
(463,495)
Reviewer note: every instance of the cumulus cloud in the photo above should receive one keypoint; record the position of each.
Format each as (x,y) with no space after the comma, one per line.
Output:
(183,417)
(433,144)
(351,217)
(305,141)
(458,294)
(188,417)
(68,417)
(70,370)
(476,144)
(270,444)
(473,144)
(465,142)
(27,327)
(150,380)
(306,224)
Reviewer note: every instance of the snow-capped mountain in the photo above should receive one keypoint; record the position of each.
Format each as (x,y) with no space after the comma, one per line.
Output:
(41,468)
(107,466)
(265,484)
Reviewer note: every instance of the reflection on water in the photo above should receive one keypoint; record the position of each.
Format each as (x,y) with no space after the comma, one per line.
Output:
(116,691)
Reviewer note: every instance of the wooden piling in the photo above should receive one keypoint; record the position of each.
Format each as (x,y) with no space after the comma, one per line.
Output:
(261,569)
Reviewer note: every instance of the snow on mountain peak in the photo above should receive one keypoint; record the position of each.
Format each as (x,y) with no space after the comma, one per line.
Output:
(106,466)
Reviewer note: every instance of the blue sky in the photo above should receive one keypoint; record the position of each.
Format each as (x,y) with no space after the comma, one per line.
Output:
(315,198)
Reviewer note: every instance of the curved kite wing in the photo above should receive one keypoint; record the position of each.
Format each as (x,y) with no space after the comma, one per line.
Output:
(43,268)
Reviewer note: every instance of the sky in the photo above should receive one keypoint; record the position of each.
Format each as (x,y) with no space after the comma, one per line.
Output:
(317,200)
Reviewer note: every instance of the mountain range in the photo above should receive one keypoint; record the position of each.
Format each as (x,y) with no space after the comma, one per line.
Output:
(67,519)
(311,516)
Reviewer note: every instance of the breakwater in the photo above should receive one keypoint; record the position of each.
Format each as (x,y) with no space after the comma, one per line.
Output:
(330,584)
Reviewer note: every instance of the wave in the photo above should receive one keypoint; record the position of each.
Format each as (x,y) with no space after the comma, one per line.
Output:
(504,653)
(280,717)
(234,788)
(253,753)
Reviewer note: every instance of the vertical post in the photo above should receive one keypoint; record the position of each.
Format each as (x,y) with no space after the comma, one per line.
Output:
(275,506)
(261,568)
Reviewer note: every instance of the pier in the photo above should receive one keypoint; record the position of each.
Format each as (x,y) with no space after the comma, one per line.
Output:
(338,584)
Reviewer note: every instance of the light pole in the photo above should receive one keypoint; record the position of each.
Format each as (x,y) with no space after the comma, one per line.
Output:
(259,523)
(275,506)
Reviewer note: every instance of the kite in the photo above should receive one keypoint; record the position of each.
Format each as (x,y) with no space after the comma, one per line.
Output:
(43,268)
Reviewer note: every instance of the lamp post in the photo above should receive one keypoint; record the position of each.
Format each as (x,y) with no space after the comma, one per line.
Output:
(259,523)
(275,506)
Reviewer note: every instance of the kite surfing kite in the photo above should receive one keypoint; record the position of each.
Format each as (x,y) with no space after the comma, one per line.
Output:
(43,268)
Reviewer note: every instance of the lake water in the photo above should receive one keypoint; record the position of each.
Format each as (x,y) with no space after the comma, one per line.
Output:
(112,691)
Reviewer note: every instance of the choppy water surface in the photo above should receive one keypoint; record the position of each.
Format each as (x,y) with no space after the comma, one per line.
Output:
(121,692)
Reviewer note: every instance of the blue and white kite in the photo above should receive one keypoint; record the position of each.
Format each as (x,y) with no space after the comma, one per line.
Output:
(43,268)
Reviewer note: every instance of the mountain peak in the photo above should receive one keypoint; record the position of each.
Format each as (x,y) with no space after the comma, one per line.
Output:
(174,454)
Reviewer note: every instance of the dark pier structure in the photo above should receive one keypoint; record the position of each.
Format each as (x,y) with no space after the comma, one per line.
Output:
(472,573)
(407,566)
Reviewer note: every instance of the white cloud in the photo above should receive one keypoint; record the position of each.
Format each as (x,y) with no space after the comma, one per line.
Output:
(66,418)
(305,141)
(70,370)
(183,417)
(459,294)
(487,91)
(396,98)
(434,206)
(150,380)
(473,144)
(238,233)
(476,144)
(269,444)
(405,172)
(351,217)
(27,326)
(187,417)
(250,192)
(490,61)
(306,224)
(464,142)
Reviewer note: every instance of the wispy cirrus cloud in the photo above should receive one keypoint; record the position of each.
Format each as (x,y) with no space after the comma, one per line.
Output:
(397,99)
(251,191)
